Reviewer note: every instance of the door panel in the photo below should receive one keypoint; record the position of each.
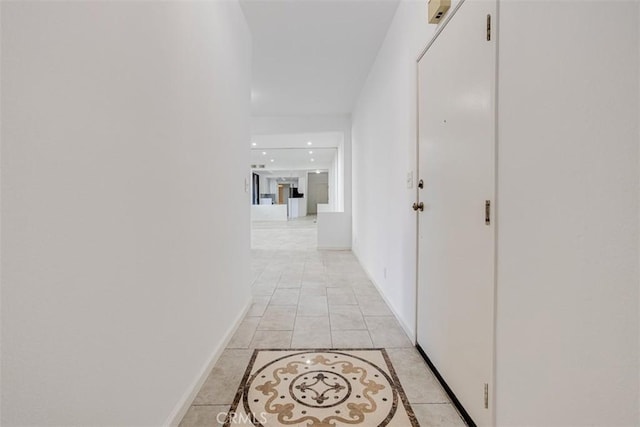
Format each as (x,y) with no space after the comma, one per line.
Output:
(457,164)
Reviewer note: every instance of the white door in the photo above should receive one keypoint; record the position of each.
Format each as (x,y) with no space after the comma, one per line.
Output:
(456,253)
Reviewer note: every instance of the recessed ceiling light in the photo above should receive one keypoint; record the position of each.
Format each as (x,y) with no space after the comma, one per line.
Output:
(254,144)
(309,143)
(317,171)
(272,160)
(310,152)
(312,160)
(264,153)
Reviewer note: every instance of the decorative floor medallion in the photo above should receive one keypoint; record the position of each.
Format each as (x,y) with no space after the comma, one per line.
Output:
(320,388)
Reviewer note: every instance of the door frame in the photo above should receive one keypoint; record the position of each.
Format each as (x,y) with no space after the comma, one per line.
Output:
(255,194)
(492,402)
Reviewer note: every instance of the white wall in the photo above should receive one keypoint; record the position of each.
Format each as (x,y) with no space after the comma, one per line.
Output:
(340,178)
(121,276)
(333,184)
(384,145)
(334,230)
(567,306)
(302,182)
(273,187)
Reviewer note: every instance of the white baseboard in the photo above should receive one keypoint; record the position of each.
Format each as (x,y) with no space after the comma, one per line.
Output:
(411,333)
(183,405)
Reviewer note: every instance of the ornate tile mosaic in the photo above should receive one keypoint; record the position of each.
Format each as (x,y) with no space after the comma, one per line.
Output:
(320,388)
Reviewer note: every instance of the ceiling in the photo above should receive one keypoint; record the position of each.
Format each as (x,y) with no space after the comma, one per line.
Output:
(297,140)
(313,56)
(294,151)
(291,159)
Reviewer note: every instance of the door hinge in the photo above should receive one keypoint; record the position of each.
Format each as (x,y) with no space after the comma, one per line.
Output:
(487,212)
(488,27)
(486,396)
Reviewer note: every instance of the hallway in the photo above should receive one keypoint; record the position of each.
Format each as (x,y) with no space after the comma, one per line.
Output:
(305,298)
(495,138)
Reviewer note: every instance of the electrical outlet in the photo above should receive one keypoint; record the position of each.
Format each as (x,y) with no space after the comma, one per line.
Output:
(410,179)
(384,272)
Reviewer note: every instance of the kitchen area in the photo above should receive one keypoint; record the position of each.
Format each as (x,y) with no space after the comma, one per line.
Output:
(289,195)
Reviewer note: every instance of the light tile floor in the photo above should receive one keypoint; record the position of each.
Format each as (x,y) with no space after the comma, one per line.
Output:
(305,298)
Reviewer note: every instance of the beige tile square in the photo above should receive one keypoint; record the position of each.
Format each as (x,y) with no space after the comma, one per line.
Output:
(419,383)
(437,415)
(258,306)
(373,305)
(291,275)
(386,332)
(244,334)
(315,281)
(338,282)
(289,284)
(320,290)
(346,317)
(271,339)
(311,332)
(365,289)
(278,318)
(314,274)
(205,416)
(313,305)
(341,296)
(221,384)
(351,339)
(313,277)
(269,277)
(285,297)
(263,289)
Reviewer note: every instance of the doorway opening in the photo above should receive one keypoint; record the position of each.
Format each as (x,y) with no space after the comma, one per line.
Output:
(296,175)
